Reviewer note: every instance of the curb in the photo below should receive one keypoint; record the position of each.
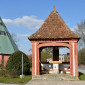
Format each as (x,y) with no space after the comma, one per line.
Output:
(29,82)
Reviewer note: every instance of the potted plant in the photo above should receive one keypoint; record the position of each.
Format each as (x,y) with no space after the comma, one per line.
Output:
(47,71)
(64,72)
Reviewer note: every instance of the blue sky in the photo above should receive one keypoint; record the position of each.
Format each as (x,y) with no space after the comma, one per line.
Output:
(24,17)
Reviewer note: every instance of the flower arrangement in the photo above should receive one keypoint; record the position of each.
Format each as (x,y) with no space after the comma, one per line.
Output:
(47,71)
(64,72)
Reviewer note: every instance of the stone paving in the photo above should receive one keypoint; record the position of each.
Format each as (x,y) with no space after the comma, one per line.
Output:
(55,77)
(45,82)
(52,79)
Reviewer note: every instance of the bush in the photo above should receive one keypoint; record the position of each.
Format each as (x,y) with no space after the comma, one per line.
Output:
(9,74)
(14,63)
(81,56)
(2,73)
(30,62)
(1,66)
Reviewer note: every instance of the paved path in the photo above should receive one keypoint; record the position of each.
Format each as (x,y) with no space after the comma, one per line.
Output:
(44,82)
(81,69)
(8,84)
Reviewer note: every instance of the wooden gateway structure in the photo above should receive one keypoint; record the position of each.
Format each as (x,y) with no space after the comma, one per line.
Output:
(54,32)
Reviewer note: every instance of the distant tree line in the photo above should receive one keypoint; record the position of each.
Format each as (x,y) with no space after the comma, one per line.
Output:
(81,56)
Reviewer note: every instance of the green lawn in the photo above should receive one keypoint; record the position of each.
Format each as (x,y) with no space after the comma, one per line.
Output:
(81,76)
(15,80)
(27,78)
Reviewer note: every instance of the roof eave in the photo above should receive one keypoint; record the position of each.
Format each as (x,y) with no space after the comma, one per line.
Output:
(37,39)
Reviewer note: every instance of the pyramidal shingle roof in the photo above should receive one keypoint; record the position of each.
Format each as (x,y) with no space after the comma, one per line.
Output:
(7,44)
(54,28)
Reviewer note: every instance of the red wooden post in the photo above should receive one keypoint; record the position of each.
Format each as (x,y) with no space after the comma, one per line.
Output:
(33,60)
(76,59)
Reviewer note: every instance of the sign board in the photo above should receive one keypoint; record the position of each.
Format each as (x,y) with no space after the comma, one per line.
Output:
(55,66)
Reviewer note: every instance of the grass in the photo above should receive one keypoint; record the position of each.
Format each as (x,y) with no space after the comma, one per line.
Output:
(81,76)
(15,80)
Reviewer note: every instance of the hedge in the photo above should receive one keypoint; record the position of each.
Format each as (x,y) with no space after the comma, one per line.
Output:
(14,63)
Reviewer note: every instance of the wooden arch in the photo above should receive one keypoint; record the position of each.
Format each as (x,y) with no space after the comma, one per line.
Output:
(54,44)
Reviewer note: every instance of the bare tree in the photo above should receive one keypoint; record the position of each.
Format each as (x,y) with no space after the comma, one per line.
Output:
(80,30)
(14,36)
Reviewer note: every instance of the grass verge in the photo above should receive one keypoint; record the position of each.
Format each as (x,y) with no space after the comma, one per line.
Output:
(15,80)
(81,76)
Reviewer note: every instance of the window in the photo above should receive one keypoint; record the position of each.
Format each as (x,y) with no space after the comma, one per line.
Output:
(8,34)
(2,33)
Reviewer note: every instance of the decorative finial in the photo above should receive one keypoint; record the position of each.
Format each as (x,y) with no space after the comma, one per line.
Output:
(54,7)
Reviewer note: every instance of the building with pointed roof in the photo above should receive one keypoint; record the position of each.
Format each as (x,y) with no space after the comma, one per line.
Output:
(7,44)
(55,33)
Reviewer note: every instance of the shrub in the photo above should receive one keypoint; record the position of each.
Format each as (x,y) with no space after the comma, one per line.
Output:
(15,63)
(6,73)
(30,62)
(2,72)
(81,56)
(1,66)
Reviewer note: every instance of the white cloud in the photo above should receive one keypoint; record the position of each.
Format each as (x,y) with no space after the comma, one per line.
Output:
(22,35)
(73,28)
(25,21)
(67,24)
